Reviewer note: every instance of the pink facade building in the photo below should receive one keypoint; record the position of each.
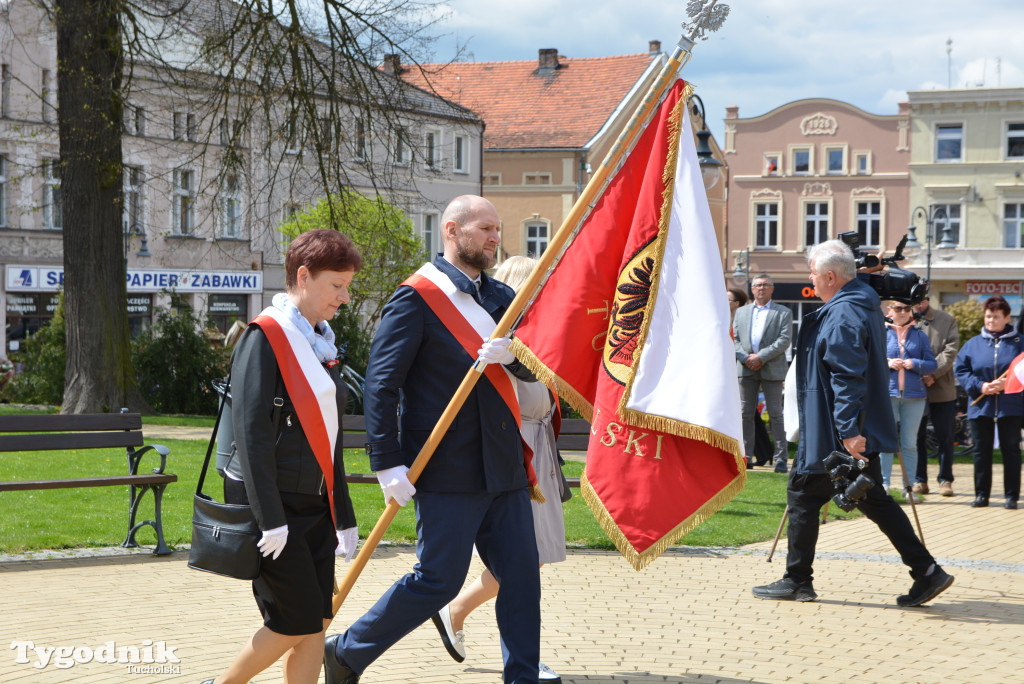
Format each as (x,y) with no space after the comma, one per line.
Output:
(805,172)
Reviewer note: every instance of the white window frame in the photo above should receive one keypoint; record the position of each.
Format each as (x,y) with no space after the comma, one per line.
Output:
(3,191)
(133,198)
(940,138)
(858,155)
(793,151)
(361,140)
(230,208)
(1017,225)
(767,222)
(822,222)
(535,244)
(46,91)
(826,154)
(460,154)
(955,222)
(432,149)
(53,218)
(430,232)
(289,210)
(403,151)
(491,178)
(1014,135)
(858,217)
(183,201)
(5,90)
(768,157)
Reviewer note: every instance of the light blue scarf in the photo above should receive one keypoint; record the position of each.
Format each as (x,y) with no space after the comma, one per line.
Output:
(323,343)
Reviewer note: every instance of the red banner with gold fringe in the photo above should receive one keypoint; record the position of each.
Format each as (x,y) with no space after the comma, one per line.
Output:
(632,327)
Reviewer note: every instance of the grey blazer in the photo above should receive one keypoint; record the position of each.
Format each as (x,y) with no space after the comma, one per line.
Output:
(774,341)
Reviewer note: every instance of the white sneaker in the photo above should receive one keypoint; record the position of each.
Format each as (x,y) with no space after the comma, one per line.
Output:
(547,675)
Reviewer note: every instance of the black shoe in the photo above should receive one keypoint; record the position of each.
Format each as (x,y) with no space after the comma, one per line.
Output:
(786,589)
(1011,504)
(750,462)
(781,467)
(926,588)
(335,672)
(980,502)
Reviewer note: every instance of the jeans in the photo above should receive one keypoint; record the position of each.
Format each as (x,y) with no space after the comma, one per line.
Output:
(907,413)
(942,415)
(983,430)
(806,494)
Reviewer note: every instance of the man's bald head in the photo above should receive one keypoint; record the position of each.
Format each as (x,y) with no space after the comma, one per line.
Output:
(470,230)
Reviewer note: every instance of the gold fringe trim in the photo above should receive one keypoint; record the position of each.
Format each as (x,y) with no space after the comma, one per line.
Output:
(672,426)
(550,378)
(536,494)
(638,560)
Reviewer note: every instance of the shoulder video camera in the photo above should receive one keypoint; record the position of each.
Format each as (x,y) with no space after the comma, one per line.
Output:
(895,283)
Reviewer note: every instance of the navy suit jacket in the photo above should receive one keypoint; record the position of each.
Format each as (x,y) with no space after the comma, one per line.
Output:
(416,365)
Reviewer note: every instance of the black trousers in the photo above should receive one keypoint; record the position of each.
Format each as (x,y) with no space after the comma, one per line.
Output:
(806,494)
(983,431)
(942,415)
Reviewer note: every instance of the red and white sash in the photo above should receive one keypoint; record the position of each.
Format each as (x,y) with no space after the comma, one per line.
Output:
(310,387)
(470,324)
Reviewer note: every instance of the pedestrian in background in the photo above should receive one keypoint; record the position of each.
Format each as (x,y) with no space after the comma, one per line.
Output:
(763,331)
(940,387)
(980,366)
(909,355)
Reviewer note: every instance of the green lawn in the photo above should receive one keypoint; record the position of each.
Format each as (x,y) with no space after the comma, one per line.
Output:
(98,516)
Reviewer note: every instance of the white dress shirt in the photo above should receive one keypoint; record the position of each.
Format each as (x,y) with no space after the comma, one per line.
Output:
(757,322)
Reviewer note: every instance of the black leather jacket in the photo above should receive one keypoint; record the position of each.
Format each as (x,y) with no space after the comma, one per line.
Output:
(270,463)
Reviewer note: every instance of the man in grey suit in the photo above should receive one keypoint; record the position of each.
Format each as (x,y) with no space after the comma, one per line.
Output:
(763,330)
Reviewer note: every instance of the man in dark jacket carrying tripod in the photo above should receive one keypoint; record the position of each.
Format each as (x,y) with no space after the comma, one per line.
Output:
(842,389)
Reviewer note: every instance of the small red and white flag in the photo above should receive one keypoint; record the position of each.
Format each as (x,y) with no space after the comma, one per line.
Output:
(1015,376)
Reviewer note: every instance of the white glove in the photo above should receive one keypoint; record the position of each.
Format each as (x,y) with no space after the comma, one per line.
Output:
(496,351)
(396,485)
(273,541)
(348,539)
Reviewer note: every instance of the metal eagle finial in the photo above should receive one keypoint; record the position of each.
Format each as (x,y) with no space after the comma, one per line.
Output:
(705,16)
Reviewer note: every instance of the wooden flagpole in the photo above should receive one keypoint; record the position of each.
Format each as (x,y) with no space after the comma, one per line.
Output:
(627,138)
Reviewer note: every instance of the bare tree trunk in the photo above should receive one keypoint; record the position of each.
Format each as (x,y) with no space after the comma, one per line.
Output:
(99,375)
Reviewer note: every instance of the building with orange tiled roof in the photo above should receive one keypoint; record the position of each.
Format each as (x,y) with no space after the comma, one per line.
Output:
(547,123)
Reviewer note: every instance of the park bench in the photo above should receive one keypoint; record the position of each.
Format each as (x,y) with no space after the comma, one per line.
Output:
(93,431)
(574,436)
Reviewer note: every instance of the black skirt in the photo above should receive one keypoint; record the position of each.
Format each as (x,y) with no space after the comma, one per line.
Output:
(294,592)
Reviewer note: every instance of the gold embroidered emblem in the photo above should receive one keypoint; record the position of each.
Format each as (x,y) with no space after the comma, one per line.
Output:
(632,293)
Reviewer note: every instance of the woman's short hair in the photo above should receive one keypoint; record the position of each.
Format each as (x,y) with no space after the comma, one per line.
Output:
(515,270)
(739,295)
(320,250)
(997,303)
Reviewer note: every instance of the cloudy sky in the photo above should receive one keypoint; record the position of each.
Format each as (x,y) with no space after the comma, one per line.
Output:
(769,52)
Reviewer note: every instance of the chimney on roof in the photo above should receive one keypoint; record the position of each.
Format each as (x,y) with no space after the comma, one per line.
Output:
(548,59)
(393,64)
(654,47)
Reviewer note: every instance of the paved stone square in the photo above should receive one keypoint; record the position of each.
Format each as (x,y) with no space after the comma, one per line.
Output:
(689,617)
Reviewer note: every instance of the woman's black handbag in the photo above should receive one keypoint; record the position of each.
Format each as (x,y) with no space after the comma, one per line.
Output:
(224,536)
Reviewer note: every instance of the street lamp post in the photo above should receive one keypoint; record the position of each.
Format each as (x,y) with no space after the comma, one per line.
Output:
(710,168)
(129,232)
(742,273)
(946,244)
